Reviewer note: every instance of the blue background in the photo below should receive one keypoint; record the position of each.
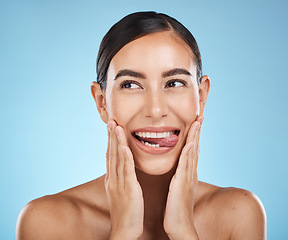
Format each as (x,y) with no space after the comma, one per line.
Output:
(51,137)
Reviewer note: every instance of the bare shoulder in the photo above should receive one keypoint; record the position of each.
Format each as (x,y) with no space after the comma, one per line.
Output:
(240,210)
(45,218)
(69,214)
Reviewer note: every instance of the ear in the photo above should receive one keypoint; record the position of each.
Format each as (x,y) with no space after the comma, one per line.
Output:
(99,98)
(204,89)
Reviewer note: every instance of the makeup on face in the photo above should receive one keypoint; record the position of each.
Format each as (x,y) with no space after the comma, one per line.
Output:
(152,92)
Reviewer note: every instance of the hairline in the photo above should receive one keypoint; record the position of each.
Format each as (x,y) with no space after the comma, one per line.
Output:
(174,34)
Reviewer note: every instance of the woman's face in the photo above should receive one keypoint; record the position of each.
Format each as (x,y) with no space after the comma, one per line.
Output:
(152,90)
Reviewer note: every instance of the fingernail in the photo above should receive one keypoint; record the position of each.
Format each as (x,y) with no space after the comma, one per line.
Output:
(109,126)
(201,119)
(116,131)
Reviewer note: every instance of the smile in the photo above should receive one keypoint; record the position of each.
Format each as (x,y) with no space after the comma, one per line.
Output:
(156,140)
(153,134)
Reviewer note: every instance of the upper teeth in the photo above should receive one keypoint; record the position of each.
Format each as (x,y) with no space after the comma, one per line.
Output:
(153,134)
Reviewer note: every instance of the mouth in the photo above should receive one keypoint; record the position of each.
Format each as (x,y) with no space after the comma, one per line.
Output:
(156,140)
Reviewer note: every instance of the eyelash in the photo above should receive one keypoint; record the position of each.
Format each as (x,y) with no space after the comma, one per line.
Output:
(177,80)
(122,85)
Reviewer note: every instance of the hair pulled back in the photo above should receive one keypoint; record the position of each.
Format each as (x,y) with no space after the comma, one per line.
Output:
(137,25)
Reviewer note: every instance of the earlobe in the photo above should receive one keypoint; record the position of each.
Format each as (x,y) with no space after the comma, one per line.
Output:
(204,89)
(99,98)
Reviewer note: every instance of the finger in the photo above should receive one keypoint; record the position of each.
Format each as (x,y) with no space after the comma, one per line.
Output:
(113,150)
(185,164)
(192,130)
(120,157)
(193,157)
(194,154)
(190,141)
(200,118)
(121,137)
(108,150)
(197,141)
(182,164)
(129,168)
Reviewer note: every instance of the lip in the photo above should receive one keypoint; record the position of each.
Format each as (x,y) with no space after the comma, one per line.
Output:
(156,129)
(152,150)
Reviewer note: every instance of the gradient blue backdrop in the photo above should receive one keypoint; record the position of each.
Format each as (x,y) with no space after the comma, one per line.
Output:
(51,137)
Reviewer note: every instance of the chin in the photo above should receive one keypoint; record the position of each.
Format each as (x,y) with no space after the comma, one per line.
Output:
(156,168)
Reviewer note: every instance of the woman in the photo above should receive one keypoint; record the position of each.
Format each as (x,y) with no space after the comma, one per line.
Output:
(151,93)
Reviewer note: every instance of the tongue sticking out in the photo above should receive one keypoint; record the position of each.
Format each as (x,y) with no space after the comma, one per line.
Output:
(163,142)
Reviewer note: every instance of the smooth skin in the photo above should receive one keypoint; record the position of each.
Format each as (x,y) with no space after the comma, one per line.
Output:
(146,196)
(125,197)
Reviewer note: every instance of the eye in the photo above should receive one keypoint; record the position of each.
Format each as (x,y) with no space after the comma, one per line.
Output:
(176,83)
(129,84)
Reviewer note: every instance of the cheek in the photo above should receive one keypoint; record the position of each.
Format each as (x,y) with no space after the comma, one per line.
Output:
(187,107)
(122,108)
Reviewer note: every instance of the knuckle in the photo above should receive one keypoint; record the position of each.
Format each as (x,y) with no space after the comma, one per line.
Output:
(106,181)
(108,155)
(109,186)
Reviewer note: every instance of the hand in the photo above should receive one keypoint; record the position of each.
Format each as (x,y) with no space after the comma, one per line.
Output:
(178,219)
(124,193)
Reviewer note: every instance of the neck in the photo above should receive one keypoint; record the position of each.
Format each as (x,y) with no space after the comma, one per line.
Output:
(155,189)
(155,183)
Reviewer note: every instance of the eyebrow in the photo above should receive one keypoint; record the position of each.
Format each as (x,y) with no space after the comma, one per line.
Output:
(176,71)
(130,73)
(170,73)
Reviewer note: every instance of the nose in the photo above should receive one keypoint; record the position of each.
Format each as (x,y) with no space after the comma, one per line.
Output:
(156,106)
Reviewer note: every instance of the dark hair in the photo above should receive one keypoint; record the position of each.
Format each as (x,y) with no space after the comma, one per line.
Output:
(137,25)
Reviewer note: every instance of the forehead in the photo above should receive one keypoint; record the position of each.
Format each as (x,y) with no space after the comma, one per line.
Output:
(155,52)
